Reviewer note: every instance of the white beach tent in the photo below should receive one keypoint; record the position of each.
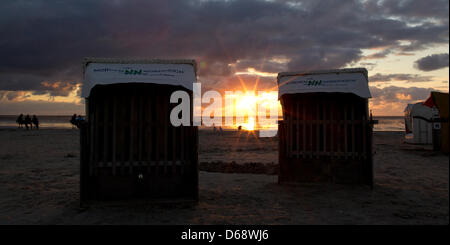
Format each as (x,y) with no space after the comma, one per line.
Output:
(418,121)
(408,119)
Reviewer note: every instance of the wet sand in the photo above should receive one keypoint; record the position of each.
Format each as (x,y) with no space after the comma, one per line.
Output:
(39,184)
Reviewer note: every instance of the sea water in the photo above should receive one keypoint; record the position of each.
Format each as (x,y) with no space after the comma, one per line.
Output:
(8,121)
(388,123)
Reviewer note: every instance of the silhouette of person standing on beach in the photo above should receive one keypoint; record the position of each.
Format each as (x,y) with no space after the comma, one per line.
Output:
(35,121)
(20,120)
(28,122)
(73,120)
(79,121)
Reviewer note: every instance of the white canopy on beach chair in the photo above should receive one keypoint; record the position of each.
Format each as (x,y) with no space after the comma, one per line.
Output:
(352,80)
(111,71)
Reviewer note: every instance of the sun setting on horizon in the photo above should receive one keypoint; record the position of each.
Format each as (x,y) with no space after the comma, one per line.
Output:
(226,113)
(249,107)
(250,125)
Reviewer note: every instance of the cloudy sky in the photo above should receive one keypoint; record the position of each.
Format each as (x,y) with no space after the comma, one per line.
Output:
(403,44)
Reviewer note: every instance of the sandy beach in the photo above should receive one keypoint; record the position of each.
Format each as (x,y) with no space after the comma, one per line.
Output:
(39,184)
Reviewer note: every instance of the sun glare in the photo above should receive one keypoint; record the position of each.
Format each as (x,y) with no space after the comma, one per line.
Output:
(247,102)
(246,106)
(250,125)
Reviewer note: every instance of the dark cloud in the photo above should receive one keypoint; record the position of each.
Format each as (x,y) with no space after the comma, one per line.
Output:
(20,81)
(40,108)
(241,82)
(59,88)
(381,78)
(46,40)
(399,94)
(413,10)
(37,84)
(270,66)
(368,65)
(13,95)
(392,100)
(324,58)
(432,62)
(382,54)
(213,69)
(249,82)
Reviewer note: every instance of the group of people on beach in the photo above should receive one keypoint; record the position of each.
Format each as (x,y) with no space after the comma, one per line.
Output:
(218,131)
(28,121)
(76,120)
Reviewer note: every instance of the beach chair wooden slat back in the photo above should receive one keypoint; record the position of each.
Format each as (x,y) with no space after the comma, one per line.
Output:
(364,134)
(140,133)
(332,127)
(114,136)
(317,127)
(325,129)
(105,134)
(129,161)
(131,146)
(96,137)
(346,143)
(91,140)
(297,126)
(304,126)
(353,140)
(158,136)
(174,149)
(149,132)
(165,137)
(182,145)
